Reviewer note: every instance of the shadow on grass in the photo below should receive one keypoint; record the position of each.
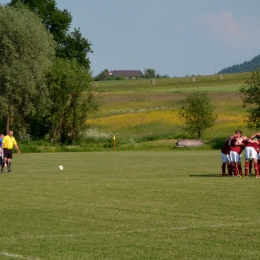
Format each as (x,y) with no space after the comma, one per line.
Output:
(217,175)
(207,175)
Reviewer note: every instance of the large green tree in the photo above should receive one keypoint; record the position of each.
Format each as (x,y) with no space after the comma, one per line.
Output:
(198,112)
(250,94)
(72,98)
(69,108)
(26,53)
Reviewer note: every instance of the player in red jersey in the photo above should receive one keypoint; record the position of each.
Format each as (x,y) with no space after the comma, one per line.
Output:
(237,145)
(251,153)
(225,158)
(257,135)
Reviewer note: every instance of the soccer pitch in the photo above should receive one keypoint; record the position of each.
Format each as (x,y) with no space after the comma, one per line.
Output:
(127,205)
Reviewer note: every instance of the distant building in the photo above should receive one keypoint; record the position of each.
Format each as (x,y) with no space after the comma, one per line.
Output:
(128,74)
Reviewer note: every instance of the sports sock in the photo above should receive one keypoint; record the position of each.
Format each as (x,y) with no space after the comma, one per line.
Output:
(234,169)
(9,165)
(250,166)
(246,168)
(223,168)
(229,169)
(240,169)
(3,164)
(256,169)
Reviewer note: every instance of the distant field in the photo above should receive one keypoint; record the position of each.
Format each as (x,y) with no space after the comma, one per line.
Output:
(127,205)
(136,110)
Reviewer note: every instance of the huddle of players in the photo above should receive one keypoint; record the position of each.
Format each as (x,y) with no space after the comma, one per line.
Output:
(231,154)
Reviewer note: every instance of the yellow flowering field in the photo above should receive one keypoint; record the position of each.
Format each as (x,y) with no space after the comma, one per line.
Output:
(118,122)
(133,109)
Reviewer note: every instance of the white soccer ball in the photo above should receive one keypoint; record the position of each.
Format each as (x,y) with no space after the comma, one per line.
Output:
(60,167)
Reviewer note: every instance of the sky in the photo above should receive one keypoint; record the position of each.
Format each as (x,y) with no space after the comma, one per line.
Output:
(173,37)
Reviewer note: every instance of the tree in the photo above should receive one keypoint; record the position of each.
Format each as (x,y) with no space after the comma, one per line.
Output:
(198,112)
(102,75)
(55,20)
(149,73)
(69,45)
(75,47)
(72,100)
(250,94)
(26,53)
(69,79)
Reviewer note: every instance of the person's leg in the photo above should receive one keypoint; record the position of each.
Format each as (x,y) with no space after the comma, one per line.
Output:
(3,165)
(253,157)
(9,165)
(246,167)
(4,161)
(239,167)
(9,159)
(229,166)
(247,161)
(256,168)
(233,163)
(250,166)
(234,168)
(224,163)
(223,169)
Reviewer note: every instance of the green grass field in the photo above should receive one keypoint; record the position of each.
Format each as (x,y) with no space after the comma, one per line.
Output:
(127,205)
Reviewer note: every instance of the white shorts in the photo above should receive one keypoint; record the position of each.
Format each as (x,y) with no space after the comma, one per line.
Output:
(225,157)
(234,156)
(250,153)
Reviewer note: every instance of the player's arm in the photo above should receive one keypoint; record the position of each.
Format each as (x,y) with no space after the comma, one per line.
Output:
(254,135)
(232,137)
(17,148)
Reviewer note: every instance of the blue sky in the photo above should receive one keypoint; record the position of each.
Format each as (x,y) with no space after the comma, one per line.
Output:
(173,37)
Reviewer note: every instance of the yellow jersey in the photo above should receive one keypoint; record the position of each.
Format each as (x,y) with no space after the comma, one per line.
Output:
(9,142)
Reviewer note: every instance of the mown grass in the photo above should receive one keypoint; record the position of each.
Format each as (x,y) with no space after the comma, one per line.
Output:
(127,205)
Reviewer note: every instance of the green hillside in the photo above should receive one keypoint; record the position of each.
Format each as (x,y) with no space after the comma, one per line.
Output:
(246,66)
(139,112)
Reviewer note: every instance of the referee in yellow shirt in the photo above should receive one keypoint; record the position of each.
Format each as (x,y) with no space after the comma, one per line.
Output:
(8,143)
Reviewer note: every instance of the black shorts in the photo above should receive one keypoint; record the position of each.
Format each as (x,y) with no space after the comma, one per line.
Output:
(8,153)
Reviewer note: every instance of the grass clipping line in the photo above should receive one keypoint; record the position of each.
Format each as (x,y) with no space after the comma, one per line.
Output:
(128,232)
(18,256)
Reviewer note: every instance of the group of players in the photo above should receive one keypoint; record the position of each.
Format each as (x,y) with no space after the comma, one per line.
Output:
(231,155)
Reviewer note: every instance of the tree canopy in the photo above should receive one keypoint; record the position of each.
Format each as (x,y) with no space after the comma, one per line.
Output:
(72,99)
(198,112)
(26,53)
(246,66)
(250,94)
(68,45)
(55,20)
(149,73)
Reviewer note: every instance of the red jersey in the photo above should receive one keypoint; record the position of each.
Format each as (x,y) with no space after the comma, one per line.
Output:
(237,145)
(253,144)
(226,148)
